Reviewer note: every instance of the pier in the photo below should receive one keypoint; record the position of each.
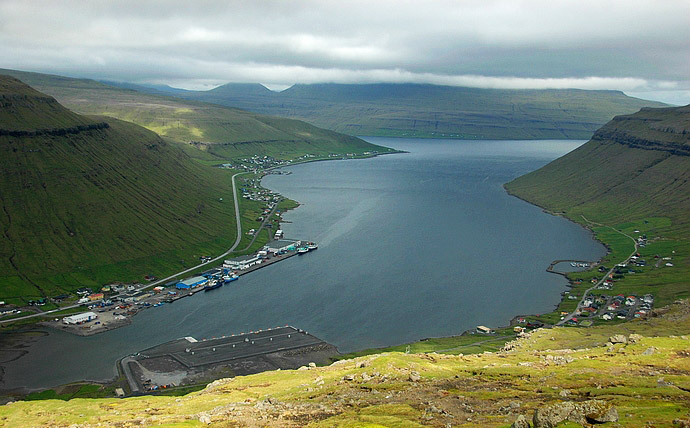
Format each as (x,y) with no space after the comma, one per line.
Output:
(553,264)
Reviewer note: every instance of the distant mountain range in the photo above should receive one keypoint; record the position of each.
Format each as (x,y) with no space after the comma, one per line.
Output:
(215,132)
(419,110)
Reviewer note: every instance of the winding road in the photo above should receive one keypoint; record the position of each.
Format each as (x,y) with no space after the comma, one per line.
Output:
(601,281)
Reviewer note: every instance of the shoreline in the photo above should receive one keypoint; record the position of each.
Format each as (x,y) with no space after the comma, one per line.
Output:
(511,322)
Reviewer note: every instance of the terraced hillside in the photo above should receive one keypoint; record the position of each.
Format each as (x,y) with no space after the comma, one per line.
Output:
(87,200)
(207,131)
(414,110)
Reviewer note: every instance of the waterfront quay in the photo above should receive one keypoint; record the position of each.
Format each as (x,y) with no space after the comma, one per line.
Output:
(115,310)
(188,361)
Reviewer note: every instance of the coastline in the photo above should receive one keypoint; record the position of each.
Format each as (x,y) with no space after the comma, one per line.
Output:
(318,160)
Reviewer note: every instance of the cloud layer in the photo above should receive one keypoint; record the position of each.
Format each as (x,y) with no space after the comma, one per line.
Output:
(632,45)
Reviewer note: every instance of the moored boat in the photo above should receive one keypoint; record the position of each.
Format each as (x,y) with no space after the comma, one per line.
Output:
(230,278)
(302,250)
(312,246)
(213,284)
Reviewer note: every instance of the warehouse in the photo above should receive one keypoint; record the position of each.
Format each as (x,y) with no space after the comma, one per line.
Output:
(191,282)
(242,262)
(79,318)
(282,245)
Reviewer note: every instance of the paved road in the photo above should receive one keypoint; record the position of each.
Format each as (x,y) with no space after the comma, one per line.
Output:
(161,281)
(601,281)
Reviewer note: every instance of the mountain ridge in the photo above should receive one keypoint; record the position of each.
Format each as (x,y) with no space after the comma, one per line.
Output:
(87,200)
(426,110)
(218,132)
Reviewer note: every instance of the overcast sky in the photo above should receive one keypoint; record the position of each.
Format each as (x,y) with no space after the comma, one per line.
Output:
(639,46)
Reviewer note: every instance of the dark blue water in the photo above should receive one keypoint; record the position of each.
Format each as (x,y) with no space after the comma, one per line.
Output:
(411,245)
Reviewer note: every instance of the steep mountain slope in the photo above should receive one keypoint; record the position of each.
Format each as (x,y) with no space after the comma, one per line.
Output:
(86,200)
(414,110)
(634,166)
(219,132)
(629,184)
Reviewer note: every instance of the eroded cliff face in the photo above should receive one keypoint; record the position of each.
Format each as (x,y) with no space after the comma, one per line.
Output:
(666,129)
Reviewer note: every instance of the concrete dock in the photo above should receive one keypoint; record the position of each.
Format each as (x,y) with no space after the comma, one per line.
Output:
(187,361)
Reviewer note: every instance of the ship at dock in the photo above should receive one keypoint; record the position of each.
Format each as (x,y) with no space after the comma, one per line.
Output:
(213,284)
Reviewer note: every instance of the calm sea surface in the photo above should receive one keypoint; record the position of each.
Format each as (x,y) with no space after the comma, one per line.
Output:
(411,245)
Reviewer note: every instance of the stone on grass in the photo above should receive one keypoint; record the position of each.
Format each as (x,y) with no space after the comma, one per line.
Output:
(586,412)
(520,422)
(634,338)
(618,338)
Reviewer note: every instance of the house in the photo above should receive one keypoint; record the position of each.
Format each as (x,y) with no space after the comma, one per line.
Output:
(484,330)
(95,296)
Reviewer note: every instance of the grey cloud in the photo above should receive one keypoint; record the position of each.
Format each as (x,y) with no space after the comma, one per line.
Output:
(522,42)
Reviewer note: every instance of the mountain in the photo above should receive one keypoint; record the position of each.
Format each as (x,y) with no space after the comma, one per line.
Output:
(629,184)
(206,131)
(635,166)
(86,200)
(421,110)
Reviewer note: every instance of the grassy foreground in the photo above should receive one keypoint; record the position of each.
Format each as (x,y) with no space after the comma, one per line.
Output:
(645,381)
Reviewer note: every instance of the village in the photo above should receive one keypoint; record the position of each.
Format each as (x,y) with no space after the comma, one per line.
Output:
(268,164)
(115,304)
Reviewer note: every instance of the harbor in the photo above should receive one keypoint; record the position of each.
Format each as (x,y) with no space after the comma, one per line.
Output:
(115,307)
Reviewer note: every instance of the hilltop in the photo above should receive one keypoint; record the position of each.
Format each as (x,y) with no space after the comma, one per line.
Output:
(421,110)
(86,200)
(629,375)
(206,131)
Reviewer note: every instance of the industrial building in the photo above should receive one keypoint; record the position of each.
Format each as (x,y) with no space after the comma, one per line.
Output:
(242,263)
(195,281)
(282,245)
(79,318)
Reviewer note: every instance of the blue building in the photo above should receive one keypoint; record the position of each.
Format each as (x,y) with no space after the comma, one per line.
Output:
(195,281)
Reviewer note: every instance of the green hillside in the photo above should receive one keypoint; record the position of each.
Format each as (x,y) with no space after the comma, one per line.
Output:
(87,200)
(414,110)
(217,132)
(629,182)
(635,166)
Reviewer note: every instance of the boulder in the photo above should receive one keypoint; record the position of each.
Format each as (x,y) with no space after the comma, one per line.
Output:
(550,416)
(618,338)
(634,338)
(594,412)
(649,351)
(520,422)
(586,412)
(415,377)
